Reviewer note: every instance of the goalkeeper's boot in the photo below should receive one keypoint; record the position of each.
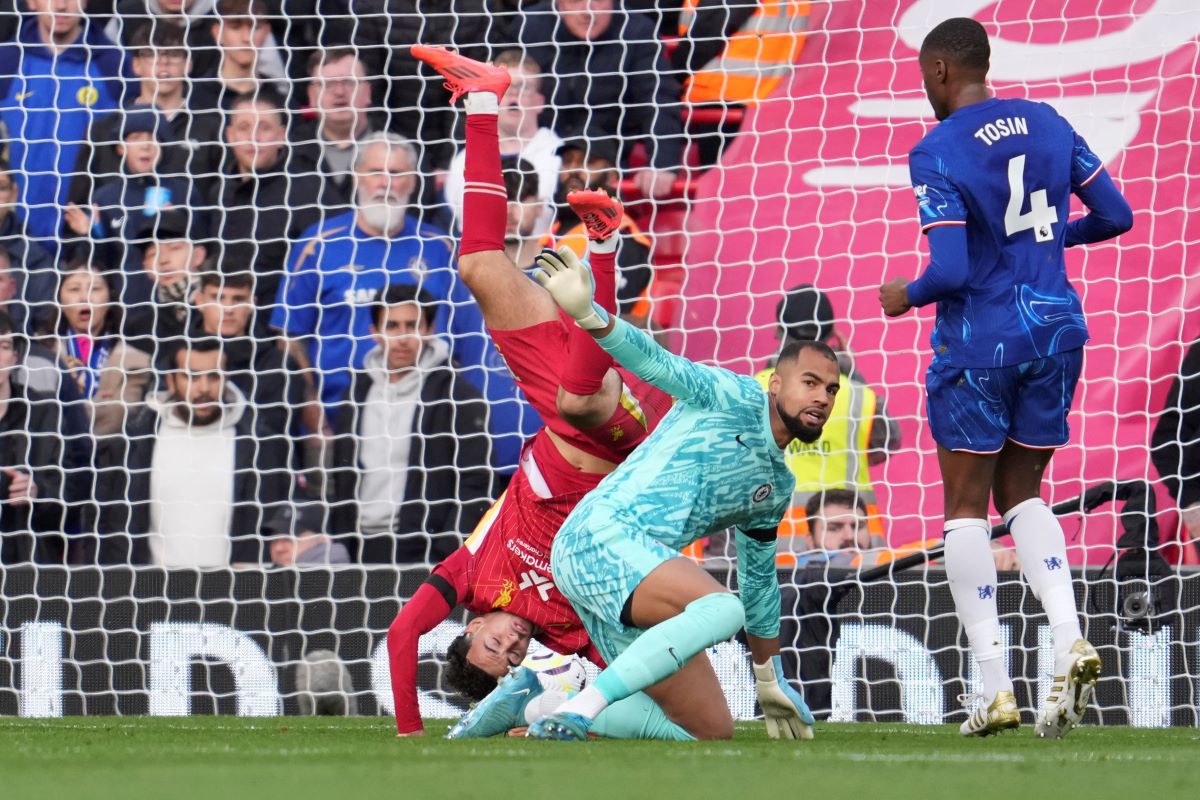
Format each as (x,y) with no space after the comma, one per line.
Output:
(601,214)
(1070,693)
(562,725)
(501,710)
(1001,714)
(463,74)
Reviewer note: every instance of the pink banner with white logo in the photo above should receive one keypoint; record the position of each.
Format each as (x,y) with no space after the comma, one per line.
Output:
(815,189)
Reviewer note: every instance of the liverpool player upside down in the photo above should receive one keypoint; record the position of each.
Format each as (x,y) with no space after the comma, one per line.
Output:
(594,415)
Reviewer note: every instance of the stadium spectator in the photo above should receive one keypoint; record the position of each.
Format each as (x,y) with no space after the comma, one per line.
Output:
(411,472)
(520,136)
(340,95)
(296,539)
(837,523)
(858,433)
(42,464)
(266,194)
(193,19)
(163,288)
(248,61)
(607,72)
(590,162)
(85,330)
(1175,443)
(27,280)
(527,211)
(27,263)
(384,32)
(58,74)
(119,208)
(190,483)
(191,139)
(342,264)
(253,362)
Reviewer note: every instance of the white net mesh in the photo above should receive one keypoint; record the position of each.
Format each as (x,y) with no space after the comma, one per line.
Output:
(213,251)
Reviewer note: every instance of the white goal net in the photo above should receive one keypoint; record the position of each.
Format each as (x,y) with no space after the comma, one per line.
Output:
(196,228)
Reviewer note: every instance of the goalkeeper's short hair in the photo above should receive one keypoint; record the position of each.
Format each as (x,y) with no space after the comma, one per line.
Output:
(464,677)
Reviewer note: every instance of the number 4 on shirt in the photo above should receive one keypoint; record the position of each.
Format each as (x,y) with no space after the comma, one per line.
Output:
(1040,218)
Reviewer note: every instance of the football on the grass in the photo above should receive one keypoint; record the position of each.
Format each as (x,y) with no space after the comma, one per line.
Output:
(556,671)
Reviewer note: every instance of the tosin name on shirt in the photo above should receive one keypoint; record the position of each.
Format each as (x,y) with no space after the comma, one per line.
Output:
(997,129)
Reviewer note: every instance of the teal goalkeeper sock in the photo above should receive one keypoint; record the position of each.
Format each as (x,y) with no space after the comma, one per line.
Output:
(662,650)
(638,717)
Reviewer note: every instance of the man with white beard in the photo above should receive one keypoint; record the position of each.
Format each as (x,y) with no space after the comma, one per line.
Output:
(341,266)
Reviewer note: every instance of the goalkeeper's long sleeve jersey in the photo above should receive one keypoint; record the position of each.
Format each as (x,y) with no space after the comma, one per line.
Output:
(711,464)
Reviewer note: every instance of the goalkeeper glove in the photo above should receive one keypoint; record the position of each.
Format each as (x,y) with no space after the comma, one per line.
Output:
(786,713)
(569,281)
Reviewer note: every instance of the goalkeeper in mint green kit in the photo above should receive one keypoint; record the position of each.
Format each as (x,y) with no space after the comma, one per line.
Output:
(714,462)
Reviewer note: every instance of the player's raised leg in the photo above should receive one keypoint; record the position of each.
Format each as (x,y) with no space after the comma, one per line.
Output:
(589,390)
(507,298)
(971,572)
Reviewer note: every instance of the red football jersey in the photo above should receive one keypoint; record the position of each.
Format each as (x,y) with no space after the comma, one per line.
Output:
(504,566)
(536,356)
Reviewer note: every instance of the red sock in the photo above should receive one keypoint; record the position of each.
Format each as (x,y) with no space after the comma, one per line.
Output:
(485,204)
(587,361)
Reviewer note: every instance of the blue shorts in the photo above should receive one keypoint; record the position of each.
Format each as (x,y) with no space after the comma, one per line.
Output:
(597,563)
(978,410)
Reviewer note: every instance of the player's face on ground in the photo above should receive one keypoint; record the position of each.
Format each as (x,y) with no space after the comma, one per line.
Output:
(226,311)
(585,19)
(401,335)
(198,383)
(933,76)
(499,640)
(840,527)
(803,389)
(84,299)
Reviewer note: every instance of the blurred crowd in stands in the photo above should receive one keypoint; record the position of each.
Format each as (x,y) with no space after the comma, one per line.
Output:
(231,330)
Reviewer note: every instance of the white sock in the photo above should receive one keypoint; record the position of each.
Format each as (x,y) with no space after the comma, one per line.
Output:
(607,246)
(482,103)
(972,575)
(588,703)
(1042,548)
(545,703)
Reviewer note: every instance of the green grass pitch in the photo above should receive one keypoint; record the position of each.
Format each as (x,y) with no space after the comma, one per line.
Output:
(220,758)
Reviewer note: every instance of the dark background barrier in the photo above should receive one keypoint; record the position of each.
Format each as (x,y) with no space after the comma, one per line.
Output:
(146,641)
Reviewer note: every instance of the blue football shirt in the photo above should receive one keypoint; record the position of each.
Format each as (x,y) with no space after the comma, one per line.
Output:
(1005,169)
(337,272)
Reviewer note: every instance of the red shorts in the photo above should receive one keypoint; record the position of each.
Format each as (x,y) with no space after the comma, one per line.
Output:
(536,357)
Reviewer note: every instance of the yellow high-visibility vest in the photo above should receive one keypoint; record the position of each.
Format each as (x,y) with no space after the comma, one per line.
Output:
(755,59)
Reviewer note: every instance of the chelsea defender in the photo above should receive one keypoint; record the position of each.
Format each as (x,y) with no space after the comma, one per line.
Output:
(993,183)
